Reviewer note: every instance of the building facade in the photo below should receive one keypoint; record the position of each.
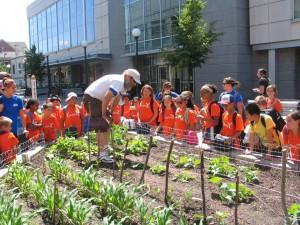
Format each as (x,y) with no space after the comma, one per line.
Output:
(231,55)
(59,27)
(275,40)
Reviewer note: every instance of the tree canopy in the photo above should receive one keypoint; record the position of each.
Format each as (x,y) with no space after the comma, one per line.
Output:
(193,37)
(34,63)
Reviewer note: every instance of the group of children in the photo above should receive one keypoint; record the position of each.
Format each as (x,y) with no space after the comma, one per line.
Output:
(53,121)
(225,120)
(259,126)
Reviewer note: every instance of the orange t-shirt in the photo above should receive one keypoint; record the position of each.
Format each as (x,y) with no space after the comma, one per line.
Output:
(145,111)
(31,119)
(50,126)
(215,112)
(59,114)
(228,127)
(289,138)
(277,106)
(8,142)
(181,125)
(197,110)
(167,120)
(116,114)
(72,117)
(126,110)
(134,110)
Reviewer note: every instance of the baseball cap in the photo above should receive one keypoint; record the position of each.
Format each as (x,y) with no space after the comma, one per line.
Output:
(54,98)
(227,99)
(71,95)
(134,74)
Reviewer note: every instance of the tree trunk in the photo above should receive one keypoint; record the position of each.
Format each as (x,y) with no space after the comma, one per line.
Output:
(191,78)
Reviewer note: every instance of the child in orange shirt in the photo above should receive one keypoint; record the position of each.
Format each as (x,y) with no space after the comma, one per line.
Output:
(134,108)
(50,125)
(125,108)
(33,119)
(116,114)
(185,118)
(166,116)
(57,111)
(272,101)
(148,109)
(73,117)
(211,112)
(232,122)
(291,136)
(8,141)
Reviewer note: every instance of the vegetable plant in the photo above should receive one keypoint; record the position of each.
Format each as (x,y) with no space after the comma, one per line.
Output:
(188,162)
(88,179)
(10,211)
(158,169)
(20,176)
(221,167)
(251,174)
(173,158)
(138,145)
(184,177)
(59,169)
(228,193)
(163,216)
(294,211)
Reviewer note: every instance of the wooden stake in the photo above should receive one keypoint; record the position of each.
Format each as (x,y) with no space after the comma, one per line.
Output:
(236,198)
(283,191)
(167,172)
(147,159)
(89,137)
(203,188)
(114,152)
(123,163)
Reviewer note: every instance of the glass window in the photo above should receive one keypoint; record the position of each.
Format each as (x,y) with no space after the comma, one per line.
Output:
(152,19)
(60,25)
(80,21)
(89,12)
(66,23)
(296,9)
(54,28)
(73,23)
(49,30)
(44,32)
(40,36)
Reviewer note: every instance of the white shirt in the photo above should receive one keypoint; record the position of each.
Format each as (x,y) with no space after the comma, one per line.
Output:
(112,82)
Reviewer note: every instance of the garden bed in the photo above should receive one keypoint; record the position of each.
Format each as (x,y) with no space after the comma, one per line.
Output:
(185,197)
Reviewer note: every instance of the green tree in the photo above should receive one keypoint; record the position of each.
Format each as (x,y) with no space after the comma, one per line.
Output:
(34,63)
(193,37)
(3,68)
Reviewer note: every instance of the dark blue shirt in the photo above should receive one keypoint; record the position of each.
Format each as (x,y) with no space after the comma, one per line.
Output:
(11,109)
(159,95)
(237,96)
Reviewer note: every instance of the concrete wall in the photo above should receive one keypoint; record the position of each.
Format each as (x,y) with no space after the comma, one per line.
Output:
(232,55)
(272,21)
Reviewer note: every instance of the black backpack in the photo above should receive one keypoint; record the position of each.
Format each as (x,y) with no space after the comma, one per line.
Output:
(217,128)
(277,118)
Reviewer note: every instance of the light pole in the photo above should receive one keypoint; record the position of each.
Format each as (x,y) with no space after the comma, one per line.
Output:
(85,75)
(136,32)
(49,76)
(25,76)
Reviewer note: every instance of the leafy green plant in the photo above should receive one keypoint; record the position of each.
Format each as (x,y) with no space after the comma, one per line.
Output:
(188,162)
(119,134)
(173,158)
(251,174)
(294,211)
(220,217)
(163,216)
(228,193)
(20,176)
(221,167)
(88,179)
(59,169)
(138,146)
(10,211)
(158,169)
(184,177)
(79,211)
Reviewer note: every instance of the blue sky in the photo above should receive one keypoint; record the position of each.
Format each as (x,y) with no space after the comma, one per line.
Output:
(13,20)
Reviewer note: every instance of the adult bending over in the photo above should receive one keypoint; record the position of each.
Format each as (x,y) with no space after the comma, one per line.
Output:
(96,101)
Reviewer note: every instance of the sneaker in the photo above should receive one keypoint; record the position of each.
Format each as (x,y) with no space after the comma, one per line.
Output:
(104,157)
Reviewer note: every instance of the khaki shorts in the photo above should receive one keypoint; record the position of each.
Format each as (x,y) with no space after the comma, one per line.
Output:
(94,107)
